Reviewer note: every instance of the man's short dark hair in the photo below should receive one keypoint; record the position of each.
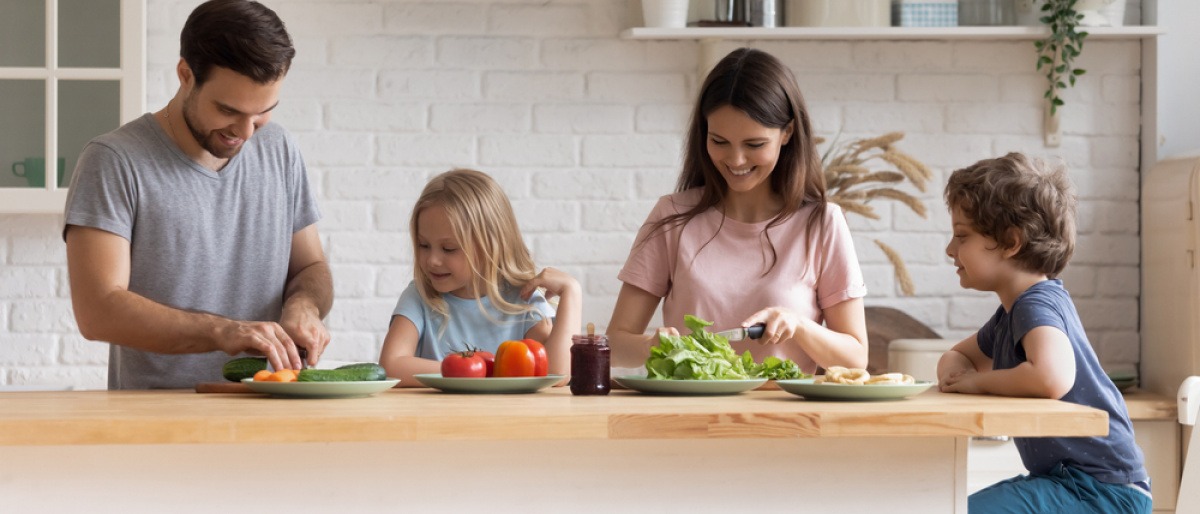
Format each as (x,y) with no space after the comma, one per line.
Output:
(241,35)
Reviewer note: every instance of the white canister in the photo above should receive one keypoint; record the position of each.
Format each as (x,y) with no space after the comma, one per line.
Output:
(665,13)
(838,13)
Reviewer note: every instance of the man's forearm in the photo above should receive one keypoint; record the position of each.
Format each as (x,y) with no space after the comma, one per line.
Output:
(128,319)
(311,287)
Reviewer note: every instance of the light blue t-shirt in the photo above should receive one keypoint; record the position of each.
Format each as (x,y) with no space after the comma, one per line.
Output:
(468,326)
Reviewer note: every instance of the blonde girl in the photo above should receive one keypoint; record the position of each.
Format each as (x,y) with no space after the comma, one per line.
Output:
(474,282)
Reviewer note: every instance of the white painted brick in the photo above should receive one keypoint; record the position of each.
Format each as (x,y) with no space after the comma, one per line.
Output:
(947,88)
(584,185)
(1023,88)
(949,151)
(353,281)
(547,216)
(1106,184)
(1107,120)
(311,52)
(392,280)
(645,150)
(298,115)
(27,282)
(331,83)
(351,184)
(1115,346)
(77,351)
(368,248)
(527,150)
(3,319)
(888,117)
(880,280)
(868,252)
(827,119)
(1101,57)
(425,84)
(480,118)
(560,250)
(344,216)
(1118,218)
(637,87)
(656,117)
(440,150)
(331,17)
(351,116)
(390,50)
(583,119)
(541,20)
(1085,217)
(937,220)
(162,50)
(1114,152)
(994,57)
(357,346)
(993,119)
(1118,281)
(533,86)
(972,313)
(602,281)
(434,18)
(615,216)
(622,55)
(860,224)
(918,247)
(1079,280)
(1086,90)
(63,279)
(848,87)
(516,182)
(938,281)
(1107,249)
(80,377)
(1125,89)
(652,184)
(42,315)
(907,56)
(490,53)
(395,215)
(1074,151)
(598,310)
(31,225)
(365,314)
(1108,313)
(930,311)
(805,57)
(335,149)
(27,349)
(38,250)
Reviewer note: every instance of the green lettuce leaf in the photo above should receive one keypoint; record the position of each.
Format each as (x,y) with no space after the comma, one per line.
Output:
(706,356)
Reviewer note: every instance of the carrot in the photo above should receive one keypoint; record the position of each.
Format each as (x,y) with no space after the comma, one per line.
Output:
(287,375)
(261,376)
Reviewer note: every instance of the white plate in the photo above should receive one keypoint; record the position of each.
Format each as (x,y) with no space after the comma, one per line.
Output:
(492,385)
(851,392)
(689,387)
(321,389)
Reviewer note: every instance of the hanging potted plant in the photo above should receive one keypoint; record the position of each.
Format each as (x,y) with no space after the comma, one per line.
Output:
(1058,50)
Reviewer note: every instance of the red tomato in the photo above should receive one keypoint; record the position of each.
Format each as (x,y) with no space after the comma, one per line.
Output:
(514,359)
(489,360)
(464,365)
(541,365)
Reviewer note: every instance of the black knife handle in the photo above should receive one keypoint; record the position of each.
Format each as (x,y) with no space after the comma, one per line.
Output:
(756,331)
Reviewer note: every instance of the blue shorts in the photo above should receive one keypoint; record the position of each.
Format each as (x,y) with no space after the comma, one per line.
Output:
(1065,490)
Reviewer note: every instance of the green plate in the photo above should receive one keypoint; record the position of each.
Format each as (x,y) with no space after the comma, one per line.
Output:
(806,388)
(689,387)
(490,385)
(321,389)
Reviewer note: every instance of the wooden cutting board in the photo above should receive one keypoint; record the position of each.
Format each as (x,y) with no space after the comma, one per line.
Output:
(222,387)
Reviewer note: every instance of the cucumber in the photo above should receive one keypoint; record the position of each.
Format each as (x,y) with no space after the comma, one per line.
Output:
(243,367)
(350,373)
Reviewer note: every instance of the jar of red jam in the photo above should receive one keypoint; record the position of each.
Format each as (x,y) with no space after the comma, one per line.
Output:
(590,357)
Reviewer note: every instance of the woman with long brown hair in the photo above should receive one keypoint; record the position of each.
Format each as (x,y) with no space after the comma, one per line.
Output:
(748,236)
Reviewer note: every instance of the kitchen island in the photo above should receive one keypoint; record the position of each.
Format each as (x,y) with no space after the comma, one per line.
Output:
(420,450)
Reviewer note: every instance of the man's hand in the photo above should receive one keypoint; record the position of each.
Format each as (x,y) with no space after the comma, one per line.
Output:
(304,326)
(261,338)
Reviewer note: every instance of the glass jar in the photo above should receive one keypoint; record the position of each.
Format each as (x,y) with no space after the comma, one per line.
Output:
(590,358)
(986,12)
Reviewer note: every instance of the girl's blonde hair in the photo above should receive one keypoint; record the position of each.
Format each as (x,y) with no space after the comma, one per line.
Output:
(487,232)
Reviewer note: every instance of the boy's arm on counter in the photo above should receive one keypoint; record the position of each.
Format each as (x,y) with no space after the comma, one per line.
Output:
(1048,372)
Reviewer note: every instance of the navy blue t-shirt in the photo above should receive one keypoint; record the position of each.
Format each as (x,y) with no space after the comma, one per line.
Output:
(1115,458)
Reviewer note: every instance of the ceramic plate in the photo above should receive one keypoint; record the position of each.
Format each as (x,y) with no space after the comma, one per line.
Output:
(492,385)
(806,388)
(321,389)
(688,387)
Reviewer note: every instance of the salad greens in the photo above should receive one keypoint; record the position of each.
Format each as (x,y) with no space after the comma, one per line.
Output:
(707,356)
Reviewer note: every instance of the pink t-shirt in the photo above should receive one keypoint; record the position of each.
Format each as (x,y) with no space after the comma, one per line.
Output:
(718,275)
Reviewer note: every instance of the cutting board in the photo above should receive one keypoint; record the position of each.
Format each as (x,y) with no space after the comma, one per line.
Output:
(222,387)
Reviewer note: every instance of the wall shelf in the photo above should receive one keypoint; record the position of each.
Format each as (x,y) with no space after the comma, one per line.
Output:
(881,33)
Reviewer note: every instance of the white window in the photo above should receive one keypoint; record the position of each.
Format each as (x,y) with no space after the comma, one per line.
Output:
(70,70)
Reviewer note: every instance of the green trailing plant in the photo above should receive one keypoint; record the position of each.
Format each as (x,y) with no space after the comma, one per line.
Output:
(853,179)
(1057,52)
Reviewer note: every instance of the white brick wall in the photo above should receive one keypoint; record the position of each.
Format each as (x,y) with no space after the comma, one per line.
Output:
(584,131)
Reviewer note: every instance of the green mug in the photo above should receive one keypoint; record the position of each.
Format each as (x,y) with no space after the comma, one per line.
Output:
(33,169)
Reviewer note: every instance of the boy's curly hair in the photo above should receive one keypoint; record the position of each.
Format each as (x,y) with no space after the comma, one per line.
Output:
(1018,195)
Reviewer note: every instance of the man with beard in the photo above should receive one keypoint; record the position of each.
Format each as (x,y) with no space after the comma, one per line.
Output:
(191,232)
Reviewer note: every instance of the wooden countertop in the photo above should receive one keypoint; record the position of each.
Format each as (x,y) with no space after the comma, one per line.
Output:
(182,416)
(1147,406)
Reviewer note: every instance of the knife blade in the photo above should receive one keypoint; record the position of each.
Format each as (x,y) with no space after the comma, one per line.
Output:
(740,333)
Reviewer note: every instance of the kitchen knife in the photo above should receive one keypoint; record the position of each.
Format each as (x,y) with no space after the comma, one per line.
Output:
(738,334)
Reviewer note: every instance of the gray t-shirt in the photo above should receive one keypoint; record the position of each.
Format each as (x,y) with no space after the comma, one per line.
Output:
(200,240)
